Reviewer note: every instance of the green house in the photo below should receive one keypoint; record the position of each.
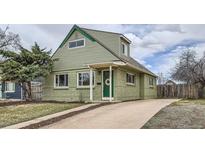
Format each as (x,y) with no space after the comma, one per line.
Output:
(95,66)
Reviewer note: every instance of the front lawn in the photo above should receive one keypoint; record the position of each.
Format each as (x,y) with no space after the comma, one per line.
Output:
(184,114)
(19,113)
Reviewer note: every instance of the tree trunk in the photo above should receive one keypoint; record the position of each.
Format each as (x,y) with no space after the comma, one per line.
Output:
(24,90)
(27,93)
(29,98)
(201,91)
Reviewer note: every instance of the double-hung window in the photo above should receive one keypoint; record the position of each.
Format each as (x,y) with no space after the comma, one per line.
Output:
(151,81)
(83,79)
(130,78)
(61,80)
(76,43)
(124,49)
(9,87)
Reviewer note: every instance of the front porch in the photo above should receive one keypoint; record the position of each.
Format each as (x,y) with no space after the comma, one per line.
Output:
(107,80)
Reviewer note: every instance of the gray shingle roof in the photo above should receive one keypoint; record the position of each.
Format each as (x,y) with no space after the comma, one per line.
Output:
(129,60)
(138,65)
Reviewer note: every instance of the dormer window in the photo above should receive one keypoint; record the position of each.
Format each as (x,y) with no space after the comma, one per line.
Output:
(76,43)
(125,49)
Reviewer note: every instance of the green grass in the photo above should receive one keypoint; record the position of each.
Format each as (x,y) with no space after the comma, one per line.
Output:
(188,101)
(14,114)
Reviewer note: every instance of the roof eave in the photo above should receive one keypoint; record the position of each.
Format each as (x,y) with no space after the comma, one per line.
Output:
(125,38)
(75,27)
(141,70)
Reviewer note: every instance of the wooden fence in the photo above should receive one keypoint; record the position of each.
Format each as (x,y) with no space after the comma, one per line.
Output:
(178,91)
(36,89)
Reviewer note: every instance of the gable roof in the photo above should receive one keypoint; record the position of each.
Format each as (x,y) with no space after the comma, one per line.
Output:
(138,65)
(100,31)
(75,27)
(170,81)
(128,60)
(89,36)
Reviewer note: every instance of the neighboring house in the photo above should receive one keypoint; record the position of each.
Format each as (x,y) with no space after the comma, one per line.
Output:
(170,82)
(96,65)
(10,90)
(13,90)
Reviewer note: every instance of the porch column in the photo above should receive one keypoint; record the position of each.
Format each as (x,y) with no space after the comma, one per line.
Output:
(91,84)
(110,99)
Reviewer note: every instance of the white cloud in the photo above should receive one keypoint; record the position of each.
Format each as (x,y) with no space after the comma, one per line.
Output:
(163,37)
(148,41)
(167,61)
(157,41)
(106,27)
(166,36)
(49,36)
(170,27)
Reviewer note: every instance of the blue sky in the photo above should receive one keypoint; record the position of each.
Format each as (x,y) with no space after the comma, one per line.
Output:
(155,46)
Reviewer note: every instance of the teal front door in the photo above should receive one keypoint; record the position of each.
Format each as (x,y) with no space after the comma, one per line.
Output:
(106,84)
(0,90)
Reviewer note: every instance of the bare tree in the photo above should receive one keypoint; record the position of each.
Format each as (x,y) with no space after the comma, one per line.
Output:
(191,70)
(161,79)
(8,39)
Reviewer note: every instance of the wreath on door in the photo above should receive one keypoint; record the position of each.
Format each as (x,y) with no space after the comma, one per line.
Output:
(107,82)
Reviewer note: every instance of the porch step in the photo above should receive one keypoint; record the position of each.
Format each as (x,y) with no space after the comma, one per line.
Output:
(106,101)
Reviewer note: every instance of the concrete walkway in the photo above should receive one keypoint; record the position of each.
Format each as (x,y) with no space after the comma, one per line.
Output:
(132,114)
(38,121)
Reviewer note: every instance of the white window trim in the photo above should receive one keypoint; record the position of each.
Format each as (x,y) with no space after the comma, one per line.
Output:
(126,49)
(10,91)
(75,41)
(151,85)
(60,87)
(78,86)
(129,83)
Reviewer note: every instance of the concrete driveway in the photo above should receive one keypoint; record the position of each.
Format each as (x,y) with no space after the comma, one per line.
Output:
(133,114)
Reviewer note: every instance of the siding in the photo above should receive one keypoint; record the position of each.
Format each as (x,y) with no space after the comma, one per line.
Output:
(111,40)
(72,93)
(125,91)
(79,57)
(72,61)
(122,91)
(148,91)
(12,95)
